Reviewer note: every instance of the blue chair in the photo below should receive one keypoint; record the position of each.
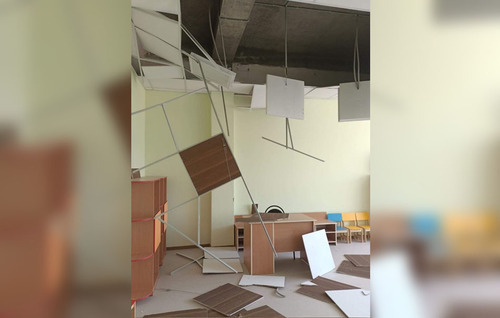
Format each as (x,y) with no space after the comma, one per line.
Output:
(337,218)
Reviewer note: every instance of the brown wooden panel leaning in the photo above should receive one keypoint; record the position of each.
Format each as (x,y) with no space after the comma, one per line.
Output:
(210,164)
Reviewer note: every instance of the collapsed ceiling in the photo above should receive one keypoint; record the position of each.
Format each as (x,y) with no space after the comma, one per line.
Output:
(250,39)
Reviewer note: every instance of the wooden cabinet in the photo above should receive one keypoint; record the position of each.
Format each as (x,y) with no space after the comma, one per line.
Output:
(330,229)
(149,200)
(322,223)
(239,235)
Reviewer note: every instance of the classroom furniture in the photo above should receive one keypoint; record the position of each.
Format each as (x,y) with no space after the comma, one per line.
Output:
(349,222)
(133,308)
(274,209)
(322,223)
(340,230)
(363,221)
(37,223)
(286,235)
(148,248)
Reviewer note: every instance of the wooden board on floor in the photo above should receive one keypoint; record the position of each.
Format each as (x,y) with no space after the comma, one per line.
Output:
(348,268)
(213,266)
(227,299)
(359,260)
(323,284)
(263,311)
(194,313)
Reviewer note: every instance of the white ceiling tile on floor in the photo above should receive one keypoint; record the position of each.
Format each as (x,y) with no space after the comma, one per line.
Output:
(263,280)
(353,302)
(222,252)
(319,255)
(213,266)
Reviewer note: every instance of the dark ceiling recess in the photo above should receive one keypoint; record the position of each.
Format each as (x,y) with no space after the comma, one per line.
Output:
(253,31)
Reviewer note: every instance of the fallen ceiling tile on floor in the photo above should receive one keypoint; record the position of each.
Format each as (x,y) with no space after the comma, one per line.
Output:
(213,266)
(227,299)
(263,311)
(263,280)
(319,255)
(222,252)
(354,302)
(323,284)
(194,313)
(348,268)
(359,260)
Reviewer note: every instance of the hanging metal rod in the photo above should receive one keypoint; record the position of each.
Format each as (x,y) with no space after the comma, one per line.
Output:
(196,244)
(173,64)
(168,101)
(313,9)
(293,149)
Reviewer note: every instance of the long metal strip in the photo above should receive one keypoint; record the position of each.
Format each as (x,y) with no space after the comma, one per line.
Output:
(168,101)
(293,149)
(196,244)
(246,186)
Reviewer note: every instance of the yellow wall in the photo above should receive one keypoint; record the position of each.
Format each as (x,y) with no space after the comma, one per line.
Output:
(435,108)
(295,182)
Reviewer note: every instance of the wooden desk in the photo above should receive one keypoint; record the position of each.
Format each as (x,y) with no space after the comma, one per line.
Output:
(286,236)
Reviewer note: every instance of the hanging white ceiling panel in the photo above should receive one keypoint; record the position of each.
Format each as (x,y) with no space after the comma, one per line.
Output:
(167,6)
(354,103)
(284,97)
(258,96)
(158,25)
(134,48)
(162,72)
(160,48)
(213,72)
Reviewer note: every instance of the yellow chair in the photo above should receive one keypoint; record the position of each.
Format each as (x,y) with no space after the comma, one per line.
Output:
(363,221)
(349,222)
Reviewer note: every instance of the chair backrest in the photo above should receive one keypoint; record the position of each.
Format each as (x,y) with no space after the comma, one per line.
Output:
(349,218)
(274,209)
(335,217)
(363,217)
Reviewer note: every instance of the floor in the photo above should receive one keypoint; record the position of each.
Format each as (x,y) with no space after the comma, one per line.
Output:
(175,292)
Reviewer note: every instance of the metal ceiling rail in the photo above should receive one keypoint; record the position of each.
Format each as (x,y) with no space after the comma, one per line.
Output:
(354,12)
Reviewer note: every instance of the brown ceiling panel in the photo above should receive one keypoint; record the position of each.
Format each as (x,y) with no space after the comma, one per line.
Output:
(210,164)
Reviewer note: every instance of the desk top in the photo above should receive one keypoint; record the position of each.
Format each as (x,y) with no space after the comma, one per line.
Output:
(292,217)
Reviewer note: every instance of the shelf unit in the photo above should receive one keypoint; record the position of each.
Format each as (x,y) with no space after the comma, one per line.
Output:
(330,229)
(37,210)
(322,223)
(148,248)
(239,234)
